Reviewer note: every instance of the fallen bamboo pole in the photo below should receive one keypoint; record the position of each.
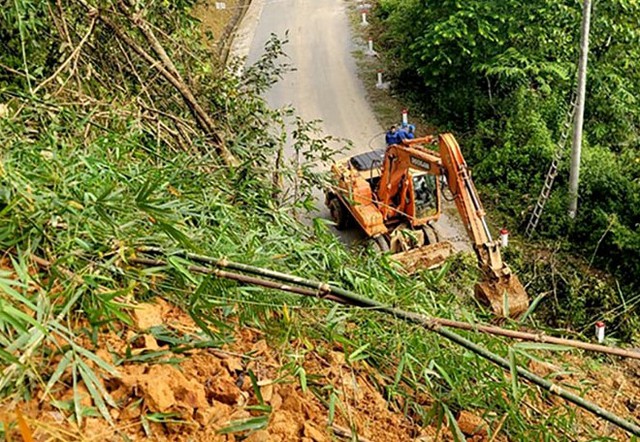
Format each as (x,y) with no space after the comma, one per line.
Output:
(364,302)
(244,279)
(424,322)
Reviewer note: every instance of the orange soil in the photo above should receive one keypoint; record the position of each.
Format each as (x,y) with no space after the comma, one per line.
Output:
(210,389)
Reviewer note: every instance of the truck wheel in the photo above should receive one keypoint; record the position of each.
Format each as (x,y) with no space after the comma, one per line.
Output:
(339,213)
(380,243)
(430,235)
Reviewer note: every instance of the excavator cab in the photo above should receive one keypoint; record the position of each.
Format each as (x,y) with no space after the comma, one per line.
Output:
(426,196)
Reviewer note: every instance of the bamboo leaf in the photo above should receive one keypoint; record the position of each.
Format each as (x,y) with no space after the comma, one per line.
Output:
(458,436)
(97,392)
(333,398)
(302,375)
(8,357)
(18,318)
(6,286)
(98,361)
(179,265)
(252,424)
(60,369)
(164,417)
(532,307)
(399,370)
(513,369)
(359,354)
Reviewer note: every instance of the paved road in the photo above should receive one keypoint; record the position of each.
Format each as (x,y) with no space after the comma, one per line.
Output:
(325,85)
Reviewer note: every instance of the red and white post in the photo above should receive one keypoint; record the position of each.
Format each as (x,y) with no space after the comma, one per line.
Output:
(364,18)
(504,238)
(600,331)
(405,117)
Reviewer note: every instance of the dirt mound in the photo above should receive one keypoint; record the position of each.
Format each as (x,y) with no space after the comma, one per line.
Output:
(210,394)
(166,388)
(249,390)
(610,384)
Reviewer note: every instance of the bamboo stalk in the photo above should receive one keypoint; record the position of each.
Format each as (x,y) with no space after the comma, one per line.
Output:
(141,24)
(421,320)
(200,115)
(73,55)
(537,337)
(244,279)
(364,302)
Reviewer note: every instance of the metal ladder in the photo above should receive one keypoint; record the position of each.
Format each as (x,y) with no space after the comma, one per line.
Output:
(553,169)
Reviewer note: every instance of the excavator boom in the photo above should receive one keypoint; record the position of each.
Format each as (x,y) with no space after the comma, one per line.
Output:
(501,289)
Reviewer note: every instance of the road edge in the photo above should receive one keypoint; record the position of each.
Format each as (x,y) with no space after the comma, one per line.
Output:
(242,38)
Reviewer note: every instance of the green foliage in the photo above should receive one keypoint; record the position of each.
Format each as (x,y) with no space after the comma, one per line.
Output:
(501,72)
(24,58)
(90,171)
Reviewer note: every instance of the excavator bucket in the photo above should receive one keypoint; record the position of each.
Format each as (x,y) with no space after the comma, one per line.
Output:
(425,257)
(505,296)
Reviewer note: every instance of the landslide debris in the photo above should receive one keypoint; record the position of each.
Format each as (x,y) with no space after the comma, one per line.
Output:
(205,393)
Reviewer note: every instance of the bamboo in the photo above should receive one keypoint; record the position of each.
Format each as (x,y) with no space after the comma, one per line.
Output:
(422,321)
(543,383)
(244,279)
(364,302)
(202,118)
(537,337)
(73,55)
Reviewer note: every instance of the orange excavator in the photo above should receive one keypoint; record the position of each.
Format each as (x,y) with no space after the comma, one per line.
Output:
(395,196)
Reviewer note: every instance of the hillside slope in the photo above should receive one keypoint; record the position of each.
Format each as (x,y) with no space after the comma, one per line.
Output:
(117,135)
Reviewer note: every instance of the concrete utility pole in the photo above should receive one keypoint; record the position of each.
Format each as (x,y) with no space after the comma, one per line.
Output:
(576,147)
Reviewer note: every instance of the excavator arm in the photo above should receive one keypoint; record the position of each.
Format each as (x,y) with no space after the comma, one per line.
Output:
(500,288)
(468,202)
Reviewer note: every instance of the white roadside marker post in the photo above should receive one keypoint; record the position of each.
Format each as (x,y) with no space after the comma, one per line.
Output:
(379,84)
(364,18)
(370,50)
(504,238)
(600,331)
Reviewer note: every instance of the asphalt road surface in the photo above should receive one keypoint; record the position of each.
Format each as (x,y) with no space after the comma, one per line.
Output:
(325,85)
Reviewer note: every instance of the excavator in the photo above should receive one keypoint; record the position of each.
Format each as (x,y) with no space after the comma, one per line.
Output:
(395,196)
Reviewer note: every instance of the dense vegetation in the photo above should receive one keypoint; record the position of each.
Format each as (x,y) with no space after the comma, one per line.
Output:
(501,73)
(117,132)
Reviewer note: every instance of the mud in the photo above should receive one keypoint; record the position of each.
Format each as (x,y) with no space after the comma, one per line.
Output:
(197,394)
